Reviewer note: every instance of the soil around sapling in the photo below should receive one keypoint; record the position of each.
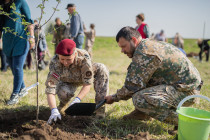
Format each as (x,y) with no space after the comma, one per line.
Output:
(21,125)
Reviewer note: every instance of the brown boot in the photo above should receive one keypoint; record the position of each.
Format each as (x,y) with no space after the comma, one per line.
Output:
(136,115)
(173,132)
(100,113)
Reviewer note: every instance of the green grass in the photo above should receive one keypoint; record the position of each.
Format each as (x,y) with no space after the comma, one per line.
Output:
(106,51)
(190,45)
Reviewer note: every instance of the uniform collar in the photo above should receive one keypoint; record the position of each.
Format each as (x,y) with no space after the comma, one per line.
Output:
(139,47)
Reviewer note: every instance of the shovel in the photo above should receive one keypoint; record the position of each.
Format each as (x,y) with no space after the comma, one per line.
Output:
(83,109)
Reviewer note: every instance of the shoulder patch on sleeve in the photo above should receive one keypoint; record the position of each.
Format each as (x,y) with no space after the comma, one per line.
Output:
(56,76)
(88,74)
(52,80)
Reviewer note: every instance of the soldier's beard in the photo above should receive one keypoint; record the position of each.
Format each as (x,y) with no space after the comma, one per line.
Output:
(131,51)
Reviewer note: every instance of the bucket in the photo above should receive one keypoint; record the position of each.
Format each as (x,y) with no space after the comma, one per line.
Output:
(194,124)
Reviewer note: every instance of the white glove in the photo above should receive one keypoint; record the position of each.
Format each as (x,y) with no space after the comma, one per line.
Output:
(54,115)
(76,100)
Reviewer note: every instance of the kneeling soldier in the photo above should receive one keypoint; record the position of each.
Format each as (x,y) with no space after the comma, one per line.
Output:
(69,69)
(158,78)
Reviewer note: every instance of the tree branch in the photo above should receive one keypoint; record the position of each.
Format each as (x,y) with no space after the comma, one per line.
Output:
(52,14)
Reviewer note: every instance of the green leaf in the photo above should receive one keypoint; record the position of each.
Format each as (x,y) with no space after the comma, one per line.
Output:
(13,6)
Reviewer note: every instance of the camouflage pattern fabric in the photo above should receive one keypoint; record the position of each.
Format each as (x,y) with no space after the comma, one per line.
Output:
(155,64)
(101,81)
(90,39)
(64,81)
(65,91)
(160,102)
(59,34)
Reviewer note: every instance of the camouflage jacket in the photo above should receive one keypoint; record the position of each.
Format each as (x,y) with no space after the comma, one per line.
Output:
(59,33)
(80,72)
(155,63)
(90,37)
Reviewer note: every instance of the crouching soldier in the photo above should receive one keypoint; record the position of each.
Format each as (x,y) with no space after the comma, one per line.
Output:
(69,69)
(158,78)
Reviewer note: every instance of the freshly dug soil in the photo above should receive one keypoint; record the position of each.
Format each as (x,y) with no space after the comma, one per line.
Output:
(21,125)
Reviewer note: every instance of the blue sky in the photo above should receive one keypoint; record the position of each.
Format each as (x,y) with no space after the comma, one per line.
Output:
(184,16)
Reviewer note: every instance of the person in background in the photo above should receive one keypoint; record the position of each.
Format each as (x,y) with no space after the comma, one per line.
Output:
(178,41)
(204,47)
(42,46)
(161,36)
(16,48)
(59,31)
(90,39)
(152,37)
(142,27)
(76,31)
(4,64)
(67,31)
(29,58)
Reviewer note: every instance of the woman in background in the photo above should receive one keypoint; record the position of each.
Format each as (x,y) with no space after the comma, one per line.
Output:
(16,46)
(142,27)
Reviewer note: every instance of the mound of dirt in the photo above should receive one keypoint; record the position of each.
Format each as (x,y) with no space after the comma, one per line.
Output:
(68,128)
(20,125)
(46,132)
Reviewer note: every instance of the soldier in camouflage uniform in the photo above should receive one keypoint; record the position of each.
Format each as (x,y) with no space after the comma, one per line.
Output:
(90,39)
(59,32)
(158,78)
(69,69)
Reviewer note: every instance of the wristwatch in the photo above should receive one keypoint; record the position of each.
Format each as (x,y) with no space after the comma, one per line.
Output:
(31,36)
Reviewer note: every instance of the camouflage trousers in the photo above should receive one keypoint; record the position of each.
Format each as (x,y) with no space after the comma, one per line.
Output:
(89,50)
(65,91)
(160,102)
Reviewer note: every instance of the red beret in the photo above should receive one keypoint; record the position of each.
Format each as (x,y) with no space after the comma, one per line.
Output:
(66,47)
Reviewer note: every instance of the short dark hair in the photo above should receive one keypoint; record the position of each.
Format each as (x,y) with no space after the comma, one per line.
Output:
(70,5)
(92,25)
(127,33)
(57,19)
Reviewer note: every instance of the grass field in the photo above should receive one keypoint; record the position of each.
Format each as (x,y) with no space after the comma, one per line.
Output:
(106,51)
